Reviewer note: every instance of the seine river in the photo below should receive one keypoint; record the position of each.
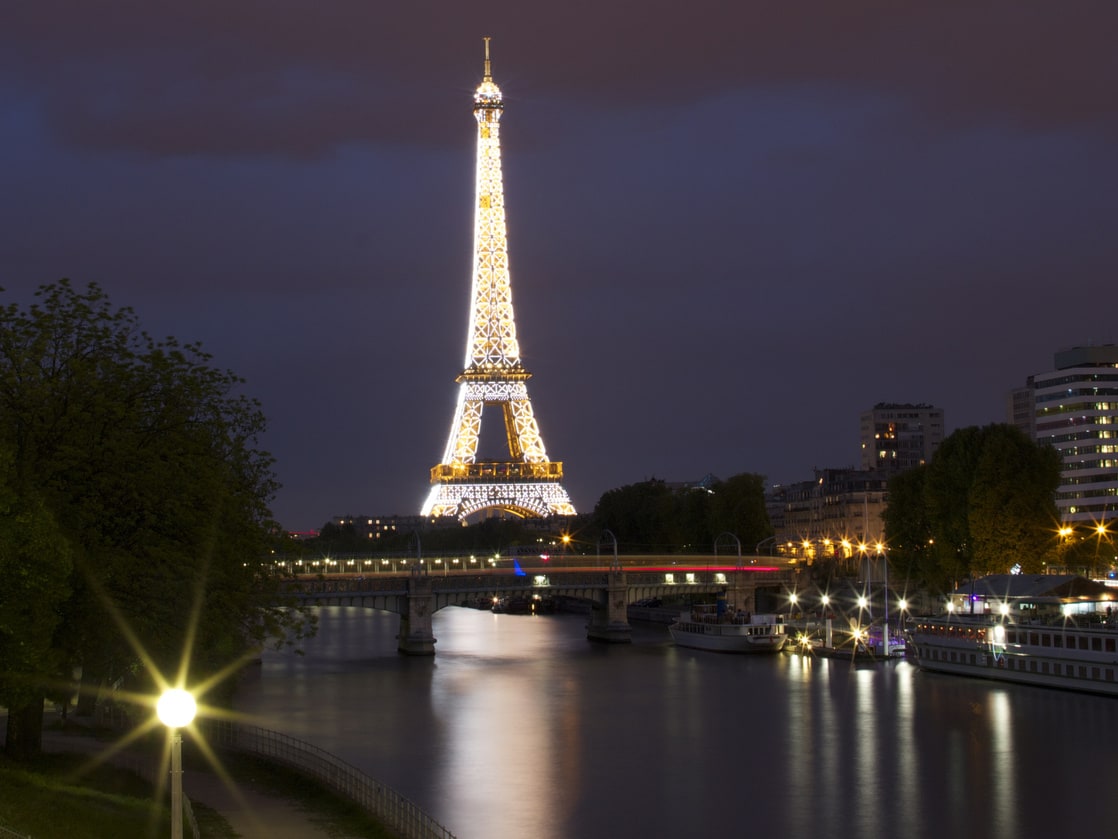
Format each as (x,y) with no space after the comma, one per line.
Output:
(519,727)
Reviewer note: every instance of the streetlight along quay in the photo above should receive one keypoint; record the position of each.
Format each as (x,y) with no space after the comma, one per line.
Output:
(176,709)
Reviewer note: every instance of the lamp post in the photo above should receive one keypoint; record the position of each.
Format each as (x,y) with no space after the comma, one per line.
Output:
(737,541)
(884,559)
(616,562)
(176,708)
(828,631)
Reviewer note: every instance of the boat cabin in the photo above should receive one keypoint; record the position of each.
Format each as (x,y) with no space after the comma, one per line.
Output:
(1026,597)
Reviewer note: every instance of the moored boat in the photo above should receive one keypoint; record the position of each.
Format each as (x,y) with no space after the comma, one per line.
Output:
(859,644)
(705,628)
(1049,631)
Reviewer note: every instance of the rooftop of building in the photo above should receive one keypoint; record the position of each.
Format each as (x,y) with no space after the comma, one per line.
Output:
(1089,356)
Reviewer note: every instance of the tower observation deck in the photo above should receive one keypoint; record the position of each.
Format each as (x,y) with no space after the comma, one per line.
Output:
(527,484)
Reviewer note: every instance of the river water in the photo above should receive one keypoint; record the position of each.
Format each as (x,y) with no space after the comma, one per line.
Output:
(519,727)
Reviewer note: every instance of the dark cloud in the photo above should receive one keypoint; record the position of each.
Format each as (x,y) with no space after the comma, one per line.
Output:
(300,79)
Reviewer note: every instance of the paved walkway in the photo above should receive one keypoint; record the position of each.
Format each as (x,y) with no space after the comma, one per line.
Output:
(252,812)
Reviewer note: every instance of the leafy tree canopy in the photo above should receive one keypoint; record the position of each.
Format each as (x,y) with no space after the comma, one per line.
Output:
(985,503)
(652,517)
(134,501)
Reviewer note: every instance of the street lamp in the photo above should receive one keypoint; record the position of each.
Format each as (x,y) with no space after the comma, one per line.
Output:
(616,565)
(884,559)
(176,709)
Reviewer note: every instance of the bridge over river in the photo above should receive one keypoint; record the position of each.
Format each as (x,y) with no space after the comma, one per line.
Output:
(608,588)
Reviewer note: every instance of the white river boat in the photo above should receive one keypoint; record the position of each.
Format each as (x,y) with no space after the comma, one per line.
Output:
(704,629)
(1060,639)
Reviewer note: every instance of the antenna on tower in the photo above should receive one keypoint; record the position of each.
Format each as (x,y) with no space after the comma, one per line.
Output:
(488,74)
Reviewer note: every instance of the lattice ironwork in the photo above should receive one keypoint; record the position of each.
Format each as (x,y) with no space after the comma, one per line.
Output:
(527,484)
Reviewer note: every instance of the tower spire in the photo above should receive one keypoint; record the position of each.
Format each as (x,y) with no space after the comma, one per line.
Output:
(488,73)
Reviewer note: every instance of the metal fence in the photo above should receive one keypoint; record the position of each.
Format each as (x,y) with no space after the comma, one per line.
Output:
(384,803)
(154,769)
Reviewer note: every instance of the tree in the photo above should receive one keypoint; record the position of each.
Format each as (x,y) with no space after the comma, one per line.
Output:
(137,463)
(652,517)
(947,501)
(737,505)
(29,618)
(908,531)
(1012,507)
(642,517)
(985,503)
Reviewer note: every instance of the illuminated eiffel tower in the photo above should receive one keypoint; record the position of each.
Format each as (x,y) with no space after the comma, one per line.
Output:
(527,484)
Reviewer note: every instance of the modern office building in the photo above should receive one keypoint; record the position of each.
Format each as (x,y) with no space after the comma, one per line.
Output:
(897,437)
(1077,414)
(1022,408)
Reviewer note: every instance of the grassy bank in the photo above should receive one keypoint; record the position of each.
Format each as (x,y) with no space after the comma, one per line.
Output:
(62,795)
(56,797)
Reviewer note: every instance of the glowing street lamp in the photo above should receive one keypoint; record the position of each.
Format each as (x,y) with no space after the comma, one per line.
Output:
(828,638)
(176,709)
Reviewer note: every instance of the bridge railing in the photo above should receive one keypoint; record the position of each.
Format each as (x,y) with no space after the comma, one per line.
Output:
(457,563)
(397,813)
(533,578)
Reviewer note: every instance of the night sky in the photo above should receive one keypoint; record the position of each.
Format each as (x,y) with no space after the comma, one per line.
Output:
(732,226)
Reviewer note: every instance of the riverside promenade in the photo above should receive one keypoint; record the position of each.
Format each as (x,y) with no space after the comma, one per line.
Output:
(248,808)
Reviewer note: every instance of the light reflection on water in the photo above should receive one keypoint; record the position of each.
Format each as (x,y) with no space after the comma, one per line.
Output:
(520,727)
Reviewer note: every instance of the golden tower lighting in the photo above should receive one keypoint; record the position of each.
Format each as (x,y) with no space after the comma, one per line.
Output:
(527,484)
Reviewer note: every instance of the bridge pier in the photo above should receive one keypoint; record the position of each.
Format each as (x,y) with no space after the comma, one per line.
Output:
(609,617)
(416,634)
(741,596)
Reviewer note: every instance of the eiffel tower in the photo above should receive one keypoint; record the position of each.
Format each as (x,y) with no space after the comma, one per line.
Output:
(527,484)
